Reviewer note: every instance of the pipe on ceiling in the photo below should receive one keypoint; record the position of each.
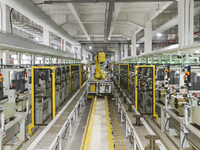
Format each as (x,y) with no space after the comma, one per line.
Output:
(27,8)
(99,1)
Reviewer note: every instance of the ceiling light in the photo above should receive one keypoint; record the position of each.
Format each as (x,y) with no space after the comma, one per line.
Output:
(90,47)
(159,34)
(137,45)
(55,47)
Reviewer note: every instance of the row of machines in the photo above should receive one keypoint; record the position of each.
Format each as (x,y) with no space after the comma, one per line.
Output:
(172,91)
(178,102)
(16,98)
(124,75)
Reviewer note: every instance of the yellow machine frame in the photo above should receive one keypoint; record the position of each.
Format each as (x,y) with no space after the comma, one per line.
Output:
(33,95)
(71,75)
(127,74)
(136,90)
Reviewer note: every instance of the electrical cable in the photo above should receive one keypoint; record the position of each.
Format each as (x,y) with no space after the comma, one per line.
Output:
(183,141)
(166,124)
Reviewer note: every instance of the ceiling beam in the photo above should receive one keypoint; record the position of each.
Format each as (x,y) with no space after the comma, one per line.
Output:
(115,16)
(28,9)
(75,13)
(109,42)
(160,10)
(104,1)
(130,22)
(101,22)
(108,19)
(136,32)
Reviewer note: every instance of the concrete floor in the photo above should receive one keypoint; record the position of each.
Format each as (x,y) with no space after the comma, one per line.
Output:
(99,136)
(74,142)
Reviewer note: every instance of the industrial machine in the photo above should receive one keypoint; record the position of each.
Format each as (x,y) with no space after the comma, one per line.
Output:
(75,77)
(42,91)
(99,74)
(100,83)
(123,76)
(65,81)
(14,106)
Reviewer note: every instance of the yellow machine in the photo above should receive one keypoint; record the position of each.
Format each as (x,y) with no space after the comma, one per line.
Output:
(99,85)
(100,58)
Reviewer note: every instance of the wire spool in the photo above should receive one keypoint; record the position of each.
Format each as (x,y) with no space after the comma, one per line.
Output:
(179,102)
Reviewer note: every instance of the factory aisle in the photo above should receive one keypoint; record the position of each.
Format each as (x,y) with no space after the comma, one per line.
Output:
(98,133)
(118,138)
(74,142)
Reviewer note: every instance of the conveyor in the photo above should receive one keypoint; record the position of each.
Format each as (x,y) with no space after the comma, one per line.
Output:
(50,136)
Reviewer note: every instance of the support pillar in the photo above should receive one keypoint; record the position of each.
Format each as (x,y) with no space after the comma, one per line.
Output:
(84,54)
(19,59)
(5,18)
(148,38)
(63,44)
(73,50)
(79,52)
(119,52)
(50,60)
(133,46)
(44,60)
(32,59)
(46,37)
(125,51)
(185,22)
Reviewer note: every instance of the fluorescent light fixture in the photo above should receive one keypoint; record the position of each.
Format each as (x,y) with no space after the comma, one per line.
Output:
(90,47)
(137,45)
(197,51)
(159,34)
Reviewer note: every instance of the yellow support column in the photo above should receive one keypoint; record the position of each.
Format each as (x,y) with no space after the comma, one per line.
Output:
(53,91)
(33,103)
(128,77)
(136,85)
(154,94)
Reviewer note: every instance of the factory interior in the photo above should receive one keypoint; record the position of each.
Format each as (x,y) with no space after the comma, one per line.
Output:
(99,74)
